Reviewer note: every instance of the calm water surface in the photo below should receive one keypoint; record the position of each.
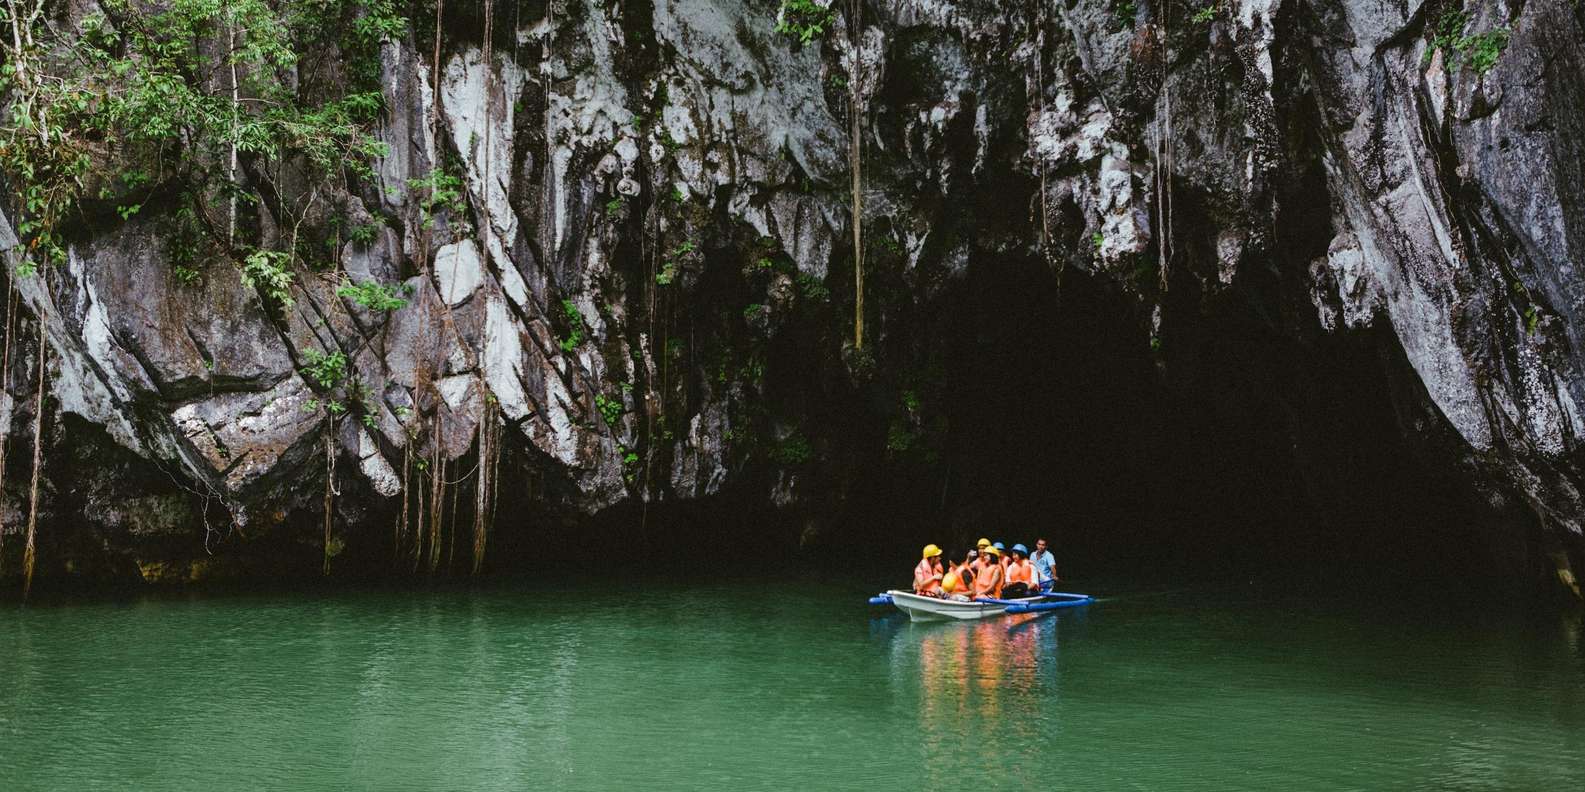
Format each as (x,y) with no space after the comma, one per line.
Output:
(782,687)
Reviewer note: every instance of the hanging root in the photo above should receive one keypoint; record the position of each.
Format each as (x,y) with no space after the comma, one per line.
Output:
(855,168)
(484,490)
(5,388)
(330,486)
(437,498)
(30,553)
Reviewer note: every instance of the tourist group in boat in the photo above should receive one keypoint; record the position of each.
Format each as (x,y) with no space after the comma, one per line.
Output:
(989,570)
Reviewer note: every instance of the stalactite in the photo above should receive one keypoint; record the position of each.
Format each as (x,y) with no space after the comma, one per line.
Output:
(855,167)
(30,552)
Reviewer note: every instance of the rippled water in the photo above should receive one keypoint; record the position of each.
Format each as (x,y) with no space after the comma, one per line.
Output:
(781,687)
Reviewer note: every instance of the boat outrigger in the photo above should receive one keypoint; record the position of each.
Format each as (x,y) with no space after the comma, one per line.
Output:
(924,609)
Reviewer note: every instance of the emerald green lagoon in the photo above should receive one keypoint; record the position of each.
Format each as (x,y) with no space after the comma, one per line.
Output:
(783,686)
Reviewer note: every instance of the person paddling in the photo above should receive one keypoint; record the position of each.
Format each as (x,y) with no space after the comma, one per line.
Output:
(988,581)
(928,574)
(1045,566)
(1020,574)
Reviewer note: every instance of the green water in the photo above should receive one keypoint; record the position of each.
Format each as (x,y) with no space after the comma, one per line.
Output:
(782,687)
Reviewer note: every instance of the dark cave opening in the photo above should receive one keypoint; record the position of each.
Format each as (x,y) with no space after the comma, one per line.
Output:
(1233,452)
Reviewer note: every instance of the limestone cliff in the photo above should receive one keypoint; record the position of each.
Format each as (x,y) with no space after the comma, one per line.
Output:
(644,287)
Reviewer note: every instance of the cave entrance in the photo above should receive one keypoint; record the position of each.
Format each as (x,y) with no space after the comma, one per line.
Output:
(1230,451)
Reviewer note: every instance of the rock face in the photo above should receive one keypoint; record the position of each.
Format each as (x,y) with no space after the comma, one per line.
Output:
(653,231)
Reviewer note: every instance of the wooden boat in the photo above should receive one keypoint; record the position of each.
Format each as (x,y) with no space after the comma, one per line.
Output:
(923,609)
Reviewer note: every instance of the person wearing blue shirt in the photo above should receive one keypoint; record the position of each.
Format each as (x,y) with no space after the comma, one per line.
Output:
(1045,566)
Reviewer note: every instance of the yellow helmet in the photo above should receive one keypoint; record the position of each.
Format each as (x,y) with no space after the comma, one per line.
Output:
(983,543)
(950,583)
(931,551)
(991,550)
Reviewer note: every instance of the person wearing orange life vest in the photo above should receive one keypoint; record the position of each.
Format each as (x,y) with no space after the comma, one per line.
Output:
(988,581)
(958,581)
(965,575)
(1020,574)
(978,556)
(928,574)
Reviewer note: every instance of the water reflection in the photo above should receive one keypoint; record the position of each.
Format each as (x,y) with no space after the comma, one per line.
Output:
(978,682)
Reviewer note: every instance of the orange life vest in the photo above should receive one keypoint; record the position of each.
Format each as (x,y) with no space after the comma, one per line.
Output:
(988,583)
(1021,572)
(927,578)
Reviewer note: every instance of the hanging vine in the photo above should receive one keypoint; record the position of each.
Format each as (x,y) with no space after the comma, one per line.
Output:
(30,551)
(855,166)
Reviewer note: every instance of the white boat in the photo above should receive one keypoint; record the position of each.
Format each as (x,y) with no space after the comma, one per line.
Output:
(925,609)
(921,608)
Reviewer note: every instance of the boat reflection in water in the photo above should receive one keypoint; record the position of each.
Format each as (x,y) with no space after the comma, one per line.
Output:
(988,682)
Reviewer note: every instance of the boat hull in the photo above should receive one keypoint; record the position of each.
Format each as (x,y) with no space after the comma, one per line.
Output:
(921,608)
(925,609)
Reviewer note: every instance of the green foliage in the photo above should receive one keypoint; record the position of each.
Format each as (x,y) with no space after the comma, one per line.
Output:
(1098,239)
(792,450)
(804,20)
(1124,12)
(575,326)
(1481,50)
(441,191)
(753,312)
(1204,15)
(813,288)
(269,271)
(898,438)
(613,208)
(375,296)
(365,233)
(668,270)
(325,370)
(140,93)
(610,409)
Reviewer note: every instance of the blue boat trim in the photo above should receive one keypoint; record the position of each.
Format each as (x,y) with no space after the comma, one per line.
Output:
(883,599)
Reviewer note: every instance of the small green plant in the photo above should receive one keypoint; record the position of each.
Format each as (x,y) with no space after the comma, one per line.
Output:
(813,288)
(804,20)
(326,370)
(911,400)
(1125,12)
(185,275)
(575,326)
(613,208)
(444,192)
(364,233)
(1098,239)
(792,450)
(1481,50)
(754,312)
(677,195)
(668,270)
(269,271)
(610,409)
(1204,15)
(375,296)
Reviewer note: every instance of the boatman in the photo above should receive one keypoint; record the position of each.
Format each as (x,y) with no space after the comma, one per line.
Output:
(927,576)
(988,581)
(1020,574)
(1045,566)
